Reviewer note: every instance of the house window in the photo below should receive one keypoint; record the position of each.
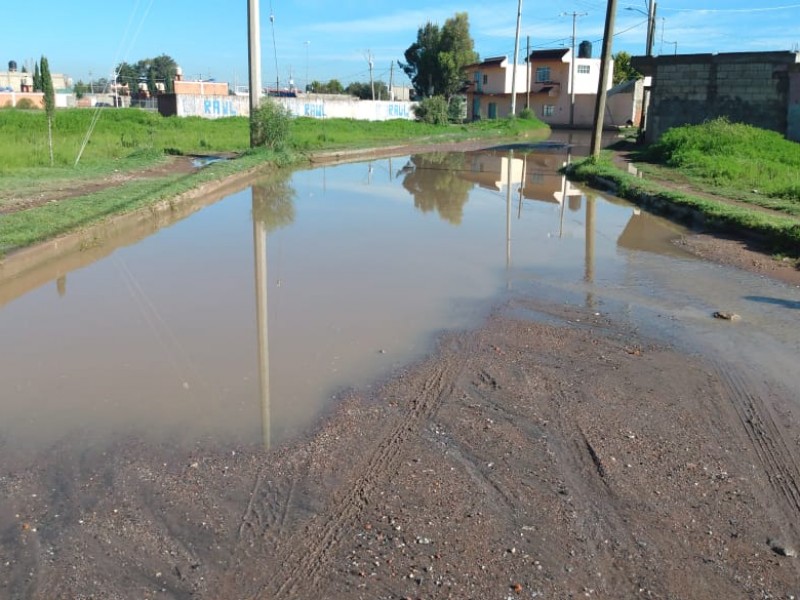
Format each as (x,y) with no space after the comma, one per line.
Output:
(485,79)
(542,74)
(548,110)
(584,69)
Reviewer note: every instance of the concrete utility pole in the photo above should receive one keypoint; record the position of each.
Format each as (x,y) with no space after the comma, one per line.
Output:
(605,61)
(371,80)
(516,54)
(254,62)
(575,16)
(528,74)
(651,39)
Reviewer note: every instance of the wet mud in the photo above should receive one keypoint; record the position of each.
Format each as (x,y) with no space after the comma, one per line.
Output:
(552,458)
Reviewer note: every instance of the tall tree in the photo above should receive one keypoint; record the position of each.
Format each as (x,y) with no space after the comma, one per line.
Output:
(435,62)
(37,78)
(49,101)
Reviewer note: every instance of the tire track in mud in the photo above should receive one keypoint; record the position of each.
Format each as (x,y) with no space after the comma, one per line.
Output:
(309,550)
(261,527)
(779,462)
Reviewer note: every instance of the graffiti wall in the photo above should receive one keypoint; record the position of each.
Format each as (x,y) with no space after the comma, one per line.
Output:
(316,107)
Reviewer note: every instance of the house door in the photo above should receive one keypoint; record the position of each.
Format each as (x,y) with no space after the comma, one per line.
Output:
(492,110)
(476,109)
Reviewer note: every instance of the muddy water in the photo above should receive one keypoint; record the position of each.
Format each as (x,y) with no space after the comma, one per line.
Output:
(243,321)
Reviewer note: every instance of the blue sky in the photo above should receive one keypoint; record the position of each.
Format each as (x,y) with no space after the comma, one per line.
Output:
(325,39)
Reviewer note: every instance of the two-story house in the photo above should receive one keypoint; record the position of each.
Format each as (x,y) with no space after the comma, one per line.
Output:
(548,83)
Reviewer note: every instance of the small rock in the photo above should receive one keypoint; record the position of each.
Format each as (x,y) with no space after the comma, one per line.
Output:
(726,316)
(782,549)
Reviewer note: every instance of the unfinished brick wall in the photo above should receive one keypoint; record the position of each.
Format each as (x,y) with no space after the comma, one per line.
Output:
(746,87)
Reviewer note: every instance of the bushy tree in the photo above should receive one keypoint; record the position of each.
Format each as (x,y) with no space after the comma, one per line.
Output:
(363,90)
(435,62)
(150,71)
(270,124)
(623,70)
(433,110)
(334,86)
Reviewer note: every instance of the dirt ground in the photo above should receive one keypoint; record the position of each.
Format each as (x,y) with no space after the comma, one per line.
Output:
(564,457)
(520,460)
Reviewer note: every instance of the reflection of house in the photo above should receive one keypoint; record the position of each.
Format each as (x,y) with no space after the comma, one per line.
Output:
(546,82)
(492,170)
(758,88)
(537,172)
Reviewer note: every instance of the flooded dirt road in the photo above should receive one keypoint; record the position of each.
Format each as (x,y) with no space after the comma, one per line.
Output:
(442,375)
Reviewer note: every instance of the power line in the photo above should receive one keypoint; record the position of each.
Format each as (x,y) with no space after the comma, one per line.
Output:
(734,10)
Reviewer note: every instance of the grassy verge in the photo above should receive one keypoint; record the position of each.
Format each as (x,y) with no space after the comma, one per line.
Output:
(129,140)
(778,234)
(734,160)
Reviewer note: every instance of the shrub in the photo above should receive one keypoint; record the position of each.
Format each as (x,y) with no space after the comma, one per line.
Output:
(26,104)
(457,110)
(527,114)
(433,110)
(271,122)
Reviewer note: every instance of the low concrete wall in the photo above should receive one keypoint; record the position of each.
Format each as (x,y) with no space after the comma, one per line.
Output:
(314,106)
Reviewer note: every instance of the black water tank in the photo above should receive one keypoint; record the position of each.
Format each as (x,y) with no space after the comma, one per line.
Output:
(585,49)
(12,66)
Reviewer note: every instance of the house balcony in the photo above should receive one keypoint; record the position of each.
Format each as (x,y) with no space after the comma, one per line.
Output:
(551,88)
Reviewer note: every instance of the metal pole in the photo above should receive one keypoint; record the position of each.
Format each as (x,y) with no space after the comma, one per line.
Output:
(254,62)
(516,53)
(605,60)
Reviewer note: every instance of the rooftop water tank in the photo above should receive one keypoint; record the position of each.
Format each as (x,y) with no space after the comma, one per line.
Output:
(12,66)
(585,49)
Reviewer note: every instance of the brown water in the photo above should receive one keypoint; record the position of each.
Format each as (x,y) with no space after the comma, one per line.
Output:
(156,333)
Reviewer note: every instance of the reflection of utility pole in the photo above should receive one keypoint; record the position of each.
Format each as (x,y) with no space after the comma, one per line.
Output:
(575,16)
(605,61)
(564,195)
(508,210)
(589,273)
(260,251)
(254,61)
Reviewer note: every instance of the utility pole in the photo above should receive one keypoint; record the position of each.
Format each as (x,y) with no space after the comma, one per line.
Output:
(575,16)
(371,81)
(516,54)
(605,61)
(254,62)
(306,87)
(528,74)
(651,38)
(391,81)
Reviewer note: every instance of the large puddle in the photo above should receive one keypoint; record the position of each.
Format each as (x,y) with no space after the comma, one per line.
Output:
(242,321)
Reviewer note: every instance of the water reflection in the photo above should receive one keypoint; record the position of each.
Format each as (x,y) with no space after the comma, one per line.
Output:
(436,182)
(350,280)
(273,207)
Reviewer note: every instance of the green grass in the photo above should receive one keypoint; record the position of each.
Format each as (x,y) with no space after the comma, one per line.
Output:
(734,160)
(777,233)
(125,140)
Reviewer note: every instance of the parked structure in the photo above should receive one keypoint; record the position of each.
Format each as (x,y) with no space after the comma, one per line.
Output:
(758,88)
(547,83)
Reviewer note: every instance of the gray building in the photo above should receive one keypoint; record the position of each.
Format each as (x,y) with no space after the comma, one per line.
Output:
(758,88)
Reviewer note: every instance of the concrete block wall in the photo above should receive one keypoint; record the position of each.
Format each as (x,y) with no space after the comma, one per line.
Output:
(747,87)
